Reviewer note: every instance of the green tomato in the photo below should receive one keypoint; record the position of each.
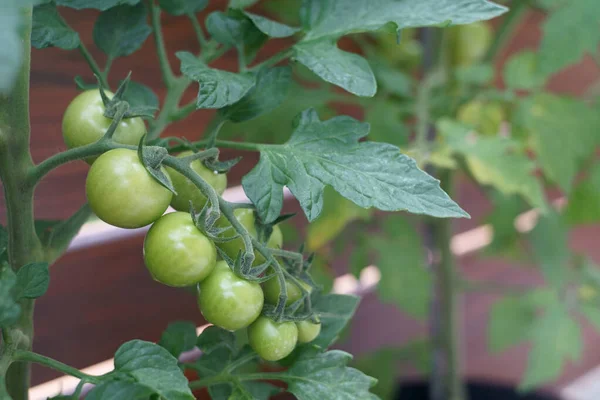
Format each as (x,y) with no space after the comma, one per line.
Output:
(187,191)
(84,122)
(308,331)
(469,43)
(176,253)
(122,193)
(229,301)
(272,289)
(246,217)
(271,340)
(276,238)
(485,117)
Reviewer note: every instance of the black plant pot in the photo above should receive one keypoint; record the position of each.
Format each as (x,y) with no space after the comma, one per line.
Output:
(476,391)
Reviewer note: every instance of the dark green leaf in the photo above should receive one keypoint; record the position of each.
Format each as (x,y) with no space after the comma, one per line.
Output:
(9,309)
(253,391)
(520,72)
(401,258)
(120,390)
(214,337)
(241,3)
(347,70)
(49,29)
(328,153)
(584,202)
(121,30)
(549,241)
(386,123)
(555,338)
(272,86)
(183,7)
(335,311)
(32,281)
(101,5)
(339,17)
(510,322)
(153,367)
(318,376)
(3,244)
(140,95)
(179,336)
(271,28)
(218,88)
(580,18)
(11,52)
(236,30)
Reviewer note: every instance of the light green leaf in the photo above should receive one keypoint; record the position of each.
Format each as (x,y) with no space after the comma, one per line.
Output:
(49,29)
(179,336)
(214,337)
(592,314)
(32,281)
(520,72)
(346,70)
(218,88)
(392,79)
(140,95)
(328,153)
(564,133)
(511,319)
(318,376)
(570,32)
(241,3)
(122,30)
(401,258)
(549,241)
(271,88)
(335,311)
(478,74)
(183,7)
(11,51)
(495,161)
(101,5)
(339,17)
(236,30)
(584,202)
(271,28)
(506,239)
(253,391)
(9,309)
(120,390)
(555,338)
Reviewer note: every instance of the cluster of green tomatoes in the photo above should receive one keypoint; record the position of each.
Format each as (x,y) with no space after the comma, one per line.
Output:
(122,193)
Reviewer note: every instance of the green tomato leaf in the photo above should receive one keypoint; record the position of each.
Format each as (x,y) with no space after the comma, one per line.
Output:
(121,30)
(236,30)
(241,3)
(271,28)
(32,281)
(340,17)
(317,376)
(520,72)
(120,390)
(140,95)
(346,70)
(328,153)
(511,319)
(217,88)
(3,244)
(253,391)
(183,7)
(496,161)
(271,89)
(506,239)
(401,258)
(152,367)
(561,155)
(179,336)
(555,338)
(478,74)
(592,314)
(101,5)
(335,311)
(584,202)
(580,18)
(9,309)
(393,80)
(386,123)
(549,241)
(214,337)
(11,51)
(49,29)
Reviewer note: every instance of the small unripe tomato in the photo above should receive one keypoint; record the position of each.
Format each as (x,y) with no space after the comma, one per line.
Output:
(187,191)
(121,192)
(84,123)
(469,43)
(228,301)
(272,289)
(308,331)
(176,253)
(272,341)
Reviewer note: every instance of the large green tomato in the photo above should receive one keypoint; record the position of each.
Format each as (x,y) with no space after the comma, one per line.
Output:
(271,340)
(272,289)
(176,253)
(229,301)
(122,193)
(469,43)
(307,331)
(187,191)
(84,122)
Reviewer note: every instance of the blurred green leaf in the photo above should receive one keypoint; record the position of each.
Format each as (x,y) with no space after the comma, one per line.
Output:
(549,241)
(236,30)
(183,7)
(11,52)
(392,79)
(478,74)
(384,117)
(511,319)
(335,311)
(506,239)
(179,336)
(122,30)
(101,5)
(520,72)
(49,29)
(584,202)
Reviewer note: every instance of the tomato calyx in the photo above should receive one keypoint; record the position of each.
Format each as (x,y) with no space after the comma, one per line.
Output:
(112,105)
(152,158)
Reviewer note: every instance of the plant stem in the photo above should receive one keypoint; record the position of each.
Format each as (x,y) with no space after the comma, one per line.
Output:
(163,59)
(449,333)
(273,60)
(506,29)
(169,108)
(229,144)
(30,356)
(93,65)
(198,30)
